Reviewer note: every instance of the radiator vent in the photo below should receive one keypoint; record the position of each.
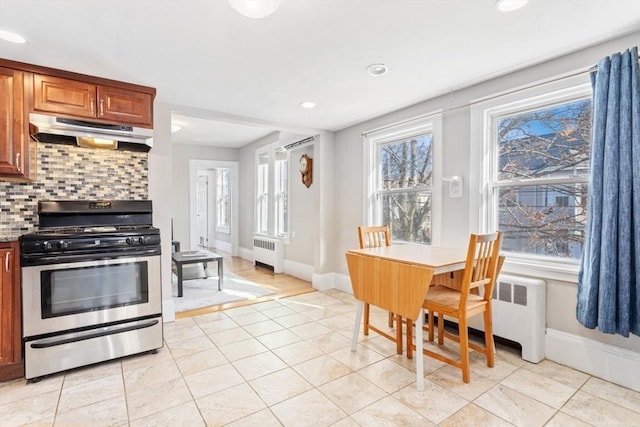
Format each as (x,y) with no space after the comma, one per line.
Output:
(519,314)
(269,252)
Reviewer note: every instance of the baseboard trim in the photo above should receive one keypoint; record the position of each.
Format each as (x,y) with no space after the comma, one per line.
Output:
(222,245)
(342,282)
(168,310)
(299,270)
(611,363)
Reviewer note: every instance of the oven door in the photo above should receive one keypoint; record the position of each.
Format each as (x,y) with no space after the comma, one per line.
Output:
(69,296)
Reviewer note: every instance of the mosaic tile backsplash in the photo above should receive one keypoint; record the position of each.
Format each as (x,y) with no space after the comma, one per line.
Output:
(67,172)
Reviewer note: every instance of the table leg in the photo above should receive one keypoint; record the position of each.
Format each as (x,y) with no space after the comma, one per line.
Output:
(419,354)
(179,274)
(356,326)
(220,273)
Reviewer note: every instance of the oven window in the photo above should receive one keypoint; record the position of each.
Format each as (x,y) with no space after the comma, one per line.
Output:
(78,290)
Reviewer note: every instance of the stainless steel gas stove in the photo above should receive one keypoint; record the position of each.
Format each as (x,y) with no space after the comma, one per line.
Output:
(91,286)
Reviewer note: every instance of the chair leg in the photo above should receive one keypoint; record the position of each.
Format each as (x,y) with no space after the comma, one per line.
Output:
(391,319)
(489,344)
(410,339)
(366,319)
(430,326)
(398,334)
(463,333)
(440,329)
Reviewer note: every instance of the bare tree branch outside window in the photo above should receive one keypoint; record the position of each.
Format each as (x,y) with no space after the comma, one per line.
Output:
(404,188)
(549,144)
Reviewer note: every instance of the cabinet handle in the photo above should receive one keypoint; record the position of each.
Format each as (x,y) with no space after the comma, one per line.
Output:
(92,104)
(102,107)
(18,165)
(6,261)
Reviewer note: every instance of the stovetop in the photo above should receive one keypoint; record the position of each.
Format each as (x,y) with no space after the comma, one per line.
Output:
(85,227)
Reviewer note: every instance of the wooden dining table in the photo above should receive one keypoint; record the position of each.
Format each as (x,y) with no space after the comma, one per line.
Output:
(396,278)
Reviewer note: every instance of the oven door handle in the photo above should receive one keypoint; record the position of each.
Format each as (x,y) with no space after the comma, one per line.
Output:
(111,330)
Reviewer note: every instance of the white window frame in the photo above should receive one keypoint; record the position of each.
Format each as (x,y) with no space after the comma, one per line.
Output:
(281,192)
(272,194)
(429,123)
(483,167)
(223,200)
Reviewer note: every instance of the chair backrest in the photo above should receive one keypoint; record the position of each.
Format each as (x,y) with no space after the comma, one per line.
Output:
(373,237)
(482,265)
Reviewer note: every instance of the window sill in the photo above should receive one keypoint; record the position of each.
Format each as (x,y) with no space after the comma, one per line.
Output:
(564,272)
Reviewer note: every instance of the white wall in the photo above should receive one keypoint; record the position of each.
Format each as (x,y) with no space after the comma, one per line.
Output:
(561,295)
(160,164)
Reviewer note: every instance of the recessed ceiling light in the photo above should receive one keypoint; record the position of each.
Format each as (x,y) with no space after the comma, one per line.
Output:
(12,37)
(510,5)
(308,104)
(255,9)
(377,69)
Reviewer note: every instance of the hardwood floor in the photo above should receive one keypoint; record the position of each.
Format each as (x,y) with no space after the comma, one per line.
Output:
(284,285)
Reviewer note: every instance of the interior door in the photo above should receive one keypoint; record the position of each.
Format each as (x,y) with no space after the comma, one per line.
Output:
(202,210)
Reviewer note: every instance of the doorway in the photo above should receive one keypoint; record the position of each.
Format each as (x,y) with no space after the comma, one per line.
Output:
(213,205)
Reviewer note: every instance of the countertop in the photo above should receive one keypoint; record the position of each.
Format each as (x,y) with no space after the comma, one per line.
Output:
(9,238)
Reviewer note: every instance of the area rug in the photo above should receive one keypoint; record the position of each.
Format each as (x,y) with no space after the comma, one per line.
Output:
(199,293)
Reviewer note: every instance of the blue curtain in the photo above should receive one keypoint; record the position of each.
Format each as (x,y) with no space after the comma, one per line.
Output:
(609,279)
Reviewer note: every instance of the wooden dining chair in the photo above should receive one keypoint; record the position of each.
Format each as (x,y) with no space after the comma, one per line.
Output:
(481,270)
(373,237)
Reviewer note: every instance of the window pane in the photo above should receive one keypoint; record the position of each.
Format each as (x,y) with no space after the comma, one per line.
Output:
(552,142)
(405,164)
(409,215)
(281,203)
(543,219)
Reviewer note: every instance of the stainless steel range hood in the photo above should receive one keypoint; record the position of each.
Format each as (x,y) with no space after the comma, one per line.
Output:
(54,129)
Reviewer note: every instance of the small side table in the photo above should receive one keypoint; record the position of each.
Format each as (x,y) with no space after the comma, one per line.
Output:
(194,257)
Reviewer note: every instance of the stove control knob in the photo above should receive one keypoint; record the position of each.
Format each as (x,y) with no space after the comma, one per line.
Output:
(62,245)
(141,240)
(130,241)
(47,246)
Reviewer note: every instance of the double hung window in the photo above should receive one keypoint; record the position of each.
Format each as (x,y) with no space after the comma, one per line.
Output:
(537,172)
(401,179)
(223,200)
(272,192)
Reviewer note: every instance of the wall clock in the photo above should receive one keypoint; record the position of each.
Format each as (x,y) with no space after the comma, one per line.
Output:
(306,169)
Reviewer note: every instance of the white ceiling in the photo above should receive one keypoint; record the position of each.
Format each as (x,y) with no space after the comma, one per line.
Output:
(203,56)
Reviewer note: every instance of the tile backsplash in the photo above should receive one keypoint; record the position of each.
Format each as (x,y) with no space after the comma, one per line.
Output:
(67,172)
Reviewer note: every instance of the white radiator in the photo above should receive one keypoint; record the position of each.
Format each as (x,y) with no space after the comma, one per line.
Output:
(519,314)
(269,251)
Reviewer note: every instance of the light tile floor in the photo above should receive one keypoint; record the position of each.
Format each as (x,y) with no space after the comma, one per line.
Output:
(288,362)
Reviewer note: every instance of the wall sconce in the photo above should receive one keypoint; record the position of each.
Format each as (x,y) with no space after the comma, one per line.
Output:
(455,186)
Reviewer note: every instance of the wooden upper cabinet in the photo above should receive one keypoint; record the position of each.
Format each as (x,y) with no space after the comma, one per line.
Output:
(124,106)
(85,100)
(64,96)
(14,126)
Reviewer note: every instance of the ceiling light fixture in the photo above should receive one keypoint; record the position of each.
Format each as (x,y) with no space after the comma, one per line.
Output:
(510,5)
(12,37)
(255,9)
(376,70)
(308,104)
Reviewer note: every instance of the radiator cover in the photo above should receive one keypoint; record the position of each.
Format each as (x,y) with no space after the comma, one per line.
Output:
(269,251)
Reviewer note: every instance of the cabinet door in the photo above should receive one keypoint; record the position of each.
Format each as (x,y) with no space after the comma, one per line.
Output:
(124,106)
(63,96)
(13,124)
(7,312)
